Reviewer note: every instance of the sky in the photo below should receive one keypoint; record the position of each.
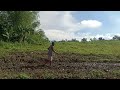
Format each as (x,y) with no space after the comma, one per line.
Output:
(61,25)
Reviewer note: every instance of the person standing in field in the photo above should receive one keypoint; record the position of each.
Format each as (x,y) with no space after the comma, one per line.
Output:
(50,53)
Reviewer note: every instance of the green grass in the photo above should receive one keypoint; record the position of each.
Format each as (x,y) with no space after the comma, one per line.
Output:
(97,47)
(6,48)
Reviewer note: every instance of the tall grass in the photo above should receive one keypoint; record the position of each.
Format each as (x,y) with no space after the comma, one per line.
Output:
(96,47)
(8,47)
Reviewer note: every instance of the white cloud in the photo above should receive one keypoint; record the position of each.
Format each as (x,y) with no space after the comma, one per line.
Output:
(59,25)
(59,35)
(91,23)
(62,35)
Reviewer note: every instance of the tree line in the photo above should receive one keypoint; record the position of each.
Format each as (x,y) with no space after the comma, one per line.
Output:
(115,37)
(20,26)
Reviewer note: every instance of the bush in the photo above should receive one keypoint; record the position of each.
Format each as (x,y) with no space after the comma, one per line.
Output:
(84,40)
(36,39)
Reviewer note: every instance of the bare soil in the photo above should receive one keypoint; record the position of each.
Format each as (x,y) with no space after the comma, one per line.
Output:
(64,66)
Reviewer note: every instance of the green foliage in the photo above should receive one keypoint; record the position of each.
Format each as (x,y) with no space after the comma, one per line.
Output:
(100,38)
(84,40)
(116,37)
(37,39)
(74,40)
(19,25)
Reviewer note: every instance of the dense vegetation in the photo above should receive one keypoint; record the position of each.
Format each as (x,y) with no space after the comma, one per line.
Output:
(20,26)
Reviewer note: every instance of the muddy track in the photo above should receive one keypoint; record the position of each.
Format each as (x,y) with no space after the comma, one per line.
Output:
(63,64)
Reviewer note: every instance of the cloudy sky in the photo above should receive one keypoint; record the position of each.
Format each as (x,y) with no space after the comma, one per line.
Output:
(61,25)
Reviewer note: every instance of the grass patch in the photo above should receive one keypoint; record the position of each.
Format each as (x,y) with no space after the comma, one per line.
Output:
(23,76)
(98,47)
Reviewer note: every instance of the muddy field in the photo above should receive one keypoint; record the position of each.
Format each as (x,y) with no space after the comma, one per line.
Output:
(30,65)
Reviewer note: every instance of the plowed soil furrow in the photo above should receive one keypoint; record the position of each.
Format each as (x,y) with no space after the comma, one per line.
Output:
(63,66)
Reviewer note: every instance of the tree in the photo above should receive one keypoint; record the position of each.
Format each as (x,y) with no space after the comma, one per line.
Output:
(116,37)
(100,38)
(6,27)
(74,40)
(84,40)
(94,39)
(23,22)
(15,25)
(91,39)
(21,26)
